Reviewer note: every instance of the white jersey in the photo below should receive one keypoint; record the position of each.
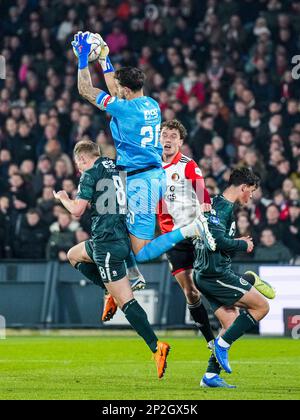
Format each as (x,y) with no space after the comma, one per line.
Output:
(185,187)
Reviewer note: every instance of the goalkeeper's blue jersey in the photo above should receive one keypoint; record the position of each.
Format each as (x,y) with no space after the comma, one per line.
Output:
(135,128)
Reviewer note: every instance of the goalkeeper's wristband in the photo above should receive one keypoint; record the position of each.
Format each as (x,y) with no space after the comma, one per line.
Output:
(83,61)
(106,65)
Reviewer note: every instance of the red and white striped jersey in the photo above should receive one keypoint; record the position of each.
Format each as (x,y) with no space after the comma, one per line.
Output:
(185,192)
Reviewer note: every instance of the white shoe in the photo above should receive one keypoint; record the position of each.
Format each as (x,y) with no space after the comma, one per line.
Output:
(139,283)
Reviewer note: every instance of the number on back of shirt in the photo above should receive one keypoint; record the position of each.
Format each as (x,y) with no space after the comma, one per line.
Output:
(120,190)
(149,135)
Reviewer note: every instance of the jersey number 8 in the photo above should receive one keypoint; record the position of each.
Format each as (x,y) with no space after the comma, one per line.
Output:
(120,190)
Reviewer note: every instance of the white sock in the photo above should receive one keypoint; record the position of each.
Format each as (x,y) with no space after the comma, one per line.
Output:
(223,343)
(210,375)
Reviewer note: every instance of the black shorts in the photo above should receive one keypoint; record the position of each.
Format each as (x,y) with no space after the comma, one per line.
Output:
(109,257)
(225,290)
(181,257)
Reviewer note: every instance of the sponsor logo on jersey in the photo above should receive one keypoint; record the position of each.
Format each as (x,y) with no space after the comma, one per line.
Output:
(215,220)
(175,177)
(108,164)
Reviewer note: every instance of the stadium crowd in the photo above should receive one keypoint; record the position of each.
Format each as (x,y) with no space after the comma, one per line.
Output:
(224,68)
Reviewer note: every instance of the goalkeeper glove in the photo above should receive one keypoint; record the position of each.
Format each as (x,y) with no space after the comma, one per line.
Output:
(81,49)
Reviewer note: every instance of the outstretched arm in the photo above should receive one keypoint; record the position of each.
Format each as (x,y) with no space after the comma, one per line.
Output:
(227,244)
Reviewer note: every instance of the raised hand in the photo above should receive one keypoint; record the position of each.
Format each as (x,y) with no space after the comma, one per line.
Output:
(81,48)
(104,48)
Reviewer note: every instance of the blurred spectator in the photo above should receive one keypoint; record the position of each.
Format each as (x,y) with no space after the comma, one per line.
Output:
(202,135)
(5,224)
(30,239)
(191,86)
(62,236)
(273,222)
(291,234)
(20,194)
(117,39)
(45,206)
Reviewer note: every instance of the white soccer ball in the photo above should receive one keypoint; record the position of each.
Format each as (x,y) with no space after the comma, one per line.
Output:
(95,41)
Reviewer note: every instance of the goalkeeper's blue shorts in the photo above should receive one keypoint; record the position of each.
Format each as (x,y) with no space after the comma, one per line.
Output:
(144,191)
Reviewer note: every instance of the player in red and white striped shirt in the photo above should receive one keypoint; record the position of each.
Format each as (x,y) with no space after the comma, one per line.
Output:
(186,197)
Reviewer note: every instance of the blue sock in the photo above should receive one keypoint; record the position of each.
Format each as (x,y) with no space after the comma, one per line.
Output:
(159,246)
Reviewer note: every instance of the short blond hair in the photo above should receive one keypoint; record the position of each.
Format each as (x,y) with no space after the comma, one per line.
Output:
(87,147)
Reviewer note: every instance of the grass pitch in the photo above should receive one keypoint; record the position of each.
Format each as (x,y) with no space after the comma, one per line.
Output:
(55,367)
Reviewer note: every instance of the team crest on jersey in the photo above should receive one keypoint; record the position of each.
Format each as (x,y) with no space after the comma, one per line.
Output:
(243,282)
(175,177)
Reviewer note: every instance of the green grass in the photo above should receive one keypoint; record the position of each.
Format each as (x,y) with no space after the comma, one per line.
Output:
(121,368)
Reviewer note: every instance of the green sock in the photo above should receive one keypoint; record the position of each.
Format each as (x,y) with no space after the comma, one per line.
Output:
(90,271)
(213,366)
(138,319)
(242,324)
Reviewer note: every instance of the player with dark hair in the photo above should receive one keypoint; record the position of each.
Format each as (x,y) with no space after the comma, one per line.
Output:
(185,198)
(225,291)
(102,259)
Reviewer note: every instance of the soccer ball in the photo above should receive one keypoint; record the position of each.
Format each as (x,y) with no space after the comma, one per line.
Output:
(95,41)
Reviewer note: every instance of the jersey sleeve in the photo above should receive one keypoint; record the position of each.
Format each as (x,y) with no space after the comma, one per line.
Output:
(111,104)
(193,172)
(86,187)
